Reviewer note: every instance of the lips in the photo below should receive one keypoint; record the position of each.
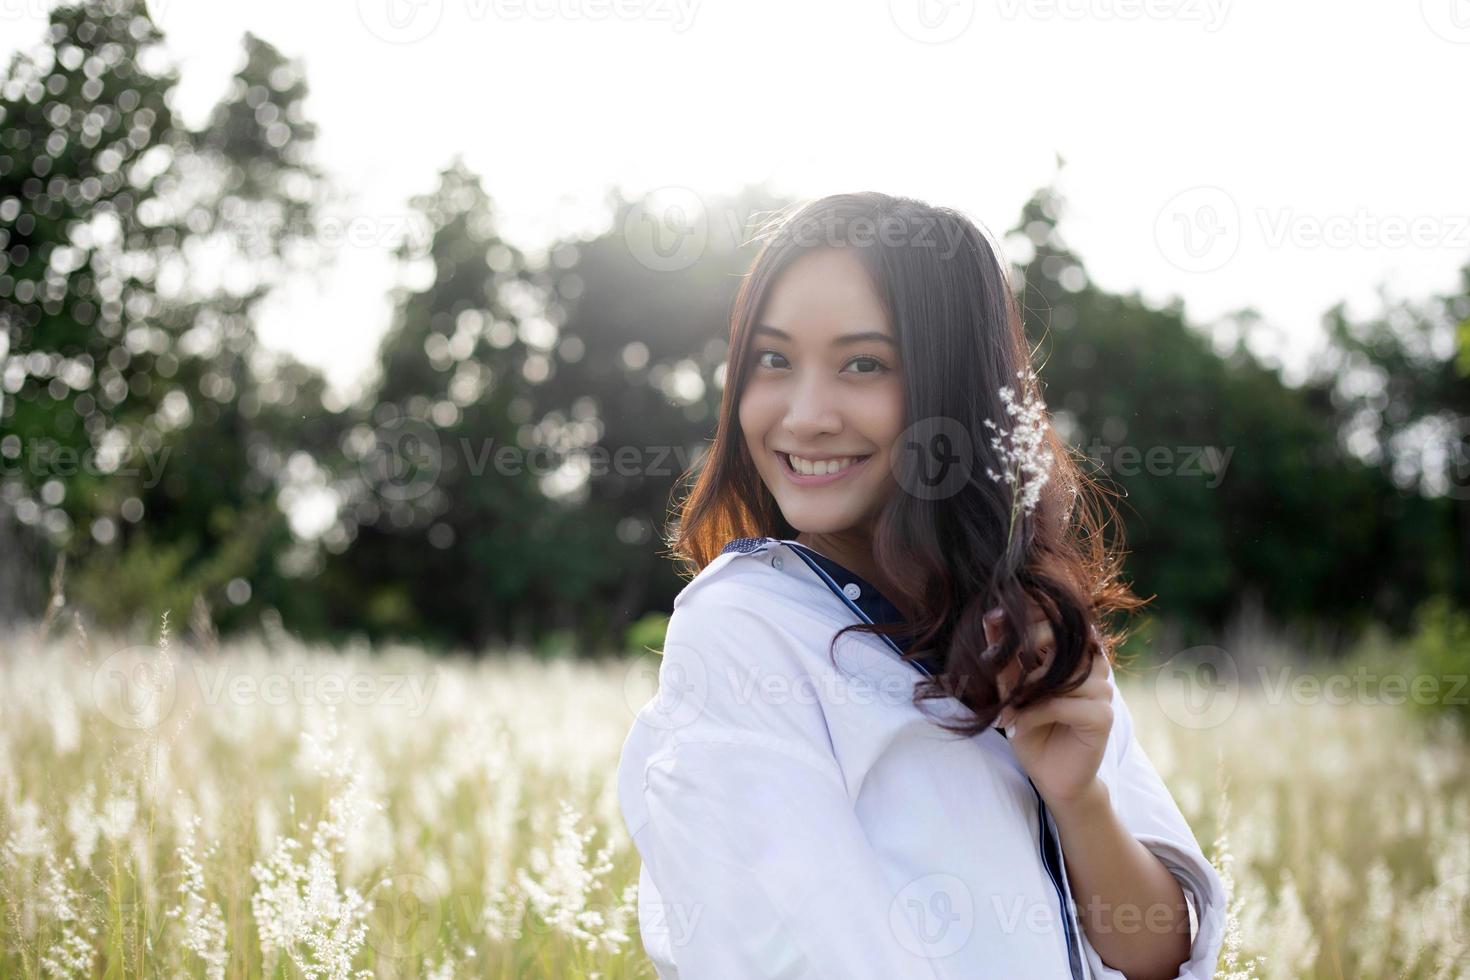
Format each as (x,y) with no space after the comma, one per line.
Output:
(804,472)
(810,466)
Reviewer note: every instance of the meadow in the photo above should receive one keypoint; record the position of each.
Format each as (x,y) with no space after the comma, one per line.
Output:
(265,808)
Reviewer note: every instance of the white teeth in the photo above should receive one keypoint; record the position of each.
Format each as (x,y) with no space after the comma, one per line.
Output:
(819,467)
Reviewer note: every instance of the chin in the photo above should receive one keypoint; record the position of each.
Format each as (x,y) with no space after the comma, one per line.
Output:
(811,520)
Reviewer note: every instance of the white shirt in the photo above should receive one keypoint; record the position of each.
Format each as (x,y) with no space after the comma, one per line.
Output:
(801,821)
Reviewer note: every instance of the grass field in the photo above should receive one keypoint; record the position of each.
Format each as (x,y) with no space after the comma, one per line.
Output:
(272,809)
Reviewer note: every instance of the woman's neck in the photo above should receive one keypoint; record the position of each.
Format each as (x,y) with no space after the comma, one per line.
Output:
(853,550)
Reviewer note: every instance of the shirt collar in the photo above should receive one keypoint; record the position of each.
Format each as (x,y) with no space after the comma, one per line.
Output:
(860,595)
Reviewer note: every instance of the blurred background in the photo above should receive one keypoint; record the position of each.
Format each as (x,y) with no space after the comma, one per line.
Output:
(395,325)
(239,371)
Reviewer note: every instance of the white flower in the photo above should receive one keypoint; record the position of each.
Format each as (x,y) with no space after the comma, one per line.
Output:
(204,923)
(82,824)
(29,837)
(559,895)
(1026,462)
(117,816)
(72,954)
(299,904)
(1232,963)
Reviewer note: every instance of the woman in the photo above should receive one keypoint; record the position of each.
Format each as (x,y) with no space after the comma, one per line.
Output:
(850,769)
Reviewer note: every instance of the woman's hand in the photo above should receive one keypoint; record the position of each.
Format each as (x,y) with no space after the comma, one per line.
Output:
(1059,741)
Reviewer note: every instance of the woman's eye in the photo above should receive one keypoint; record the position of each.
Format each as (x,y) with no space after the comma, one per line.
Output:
(871,365)
(877,366)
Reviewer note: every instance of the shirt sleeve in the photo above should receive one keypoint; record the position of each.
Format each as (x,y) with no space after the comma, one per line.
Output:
(1147,809)
(742,818)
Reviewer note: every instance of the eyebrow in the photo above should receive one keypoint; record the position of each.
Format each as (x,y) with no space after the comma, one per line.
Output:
(847,338)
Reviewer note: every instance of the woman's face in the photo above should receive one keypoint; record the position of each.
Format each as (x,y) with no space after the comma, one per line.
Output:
(825,387)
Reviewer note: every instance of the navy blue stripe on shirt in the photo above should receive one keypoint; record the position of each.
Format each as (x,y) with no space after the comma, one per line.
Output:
(1052,857)
(870,604)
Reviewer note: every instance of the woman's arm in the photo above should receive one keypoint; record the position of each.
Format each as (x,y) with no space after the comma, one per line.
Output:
(1122,834)
(1143,805)
(1132,909)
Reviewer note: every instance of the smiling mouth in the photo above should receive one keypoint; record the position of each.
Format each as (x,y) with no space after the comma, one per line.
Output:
(819,471)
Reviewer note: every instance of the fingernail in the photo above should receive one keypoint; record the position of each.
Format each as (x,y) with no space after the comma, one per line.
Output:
(995,615)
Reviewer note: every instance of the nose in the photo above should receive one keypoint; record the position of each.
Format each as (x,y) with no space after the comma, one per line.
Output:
(812,411)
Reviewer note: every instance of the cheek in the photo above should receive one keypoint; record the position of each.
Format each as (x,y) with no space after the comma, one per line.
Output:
(884,421)
(746,417)
(753,424)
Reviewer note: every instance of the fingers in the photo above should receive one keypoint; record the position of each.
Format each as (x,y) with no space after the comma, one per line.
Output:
(992,621)
(1039,633)
(1097,685)
(1094,688)
(1005,680)
(1043,641)
(1086,713)
(1043,645)
(995,618)
(1097,689)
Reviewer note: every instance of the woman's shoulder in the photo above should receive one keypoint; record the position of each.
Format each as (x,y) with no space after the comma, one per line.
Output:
(738,648)
(737,593)
(748,635)
(757,586)
(743,566)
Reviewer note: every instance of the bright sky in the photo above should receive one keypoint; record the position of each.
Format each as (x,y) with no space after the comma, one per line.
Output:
(1281,155)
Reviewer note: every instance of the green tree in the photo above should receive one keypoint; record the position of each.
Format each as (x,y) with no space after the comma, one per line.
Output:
(445,543)
(1400,386)
(1276,509)
(639,378)
(136,433)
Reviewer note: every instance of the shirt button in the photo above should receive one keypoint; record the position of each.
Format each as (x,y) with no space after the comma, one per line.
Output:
(851,590)
(775,561)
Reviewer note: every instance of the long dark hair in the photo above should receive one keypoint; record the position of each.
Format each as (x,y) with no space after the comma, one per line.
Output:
(952,555)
